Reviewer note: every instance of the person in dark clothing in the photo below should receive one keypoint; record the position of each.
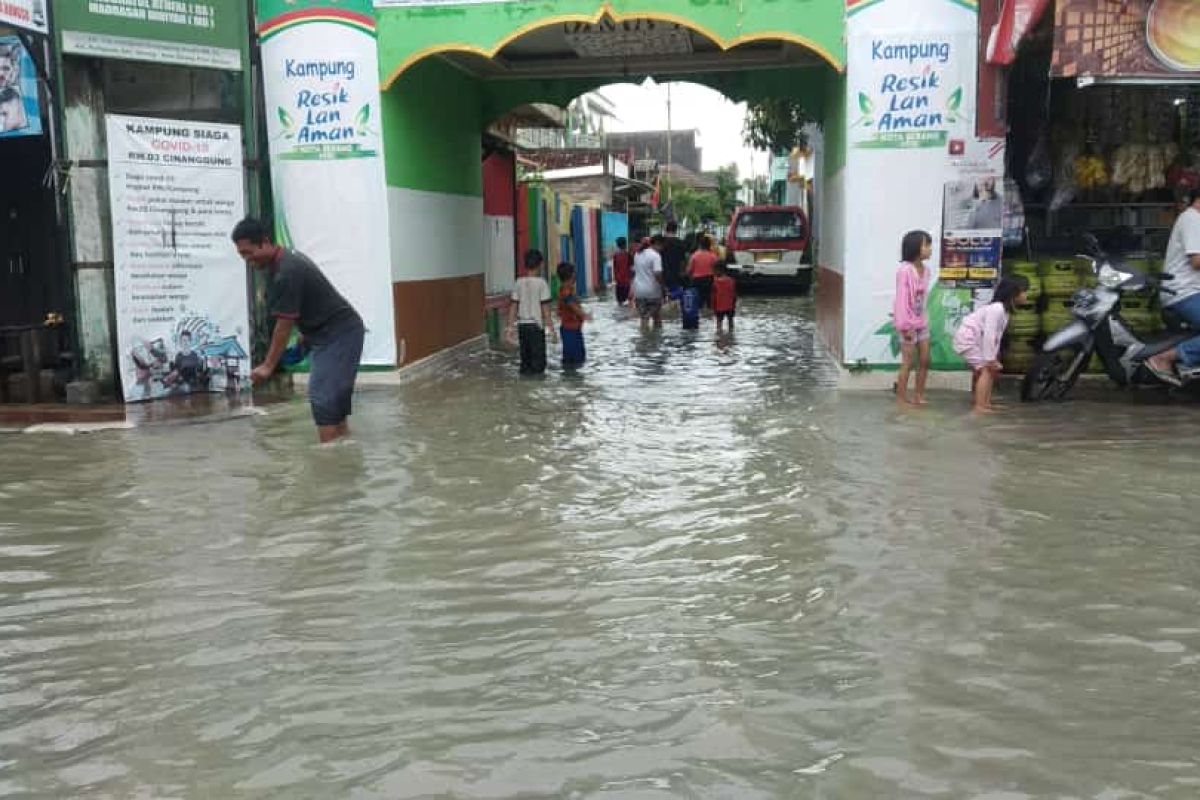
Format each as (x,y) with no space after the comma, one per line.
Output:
(187,366)
(674,257)
(302,298)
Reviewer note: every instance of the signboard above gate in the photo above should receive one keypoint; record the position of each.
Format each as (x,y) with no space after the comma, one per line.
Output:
(29,15)
(1131,39)
(192,33)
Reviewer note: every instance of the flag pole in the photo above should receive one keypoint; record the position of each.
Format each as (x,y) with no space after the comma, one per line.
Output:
(670,183)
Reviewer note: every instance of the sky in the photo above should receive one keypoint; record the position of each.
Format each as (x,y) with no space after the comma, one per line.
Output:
(718,120)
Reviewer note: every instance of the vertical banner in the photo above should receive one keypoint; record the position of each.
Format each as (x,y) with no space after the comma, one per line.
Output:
(177,190)
(20,112)
(321,80)
(910,110)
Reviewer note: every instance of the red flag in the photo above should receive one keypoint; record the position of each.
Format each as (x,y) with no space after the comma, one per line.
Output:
(1017,18)
(654,198)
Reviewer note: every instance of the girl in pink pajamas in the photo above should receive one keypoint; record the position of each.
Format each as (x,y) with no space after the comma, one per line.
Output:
(978,339)
(909,313)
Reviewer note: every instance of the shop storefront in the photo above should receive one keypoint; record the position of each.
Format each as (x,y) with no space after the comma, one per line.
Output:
(160,160)
(35,302)
(1103,118)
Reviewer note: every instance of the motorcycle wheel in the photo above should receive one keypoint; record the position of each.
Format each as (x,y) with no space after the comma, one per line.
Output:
(1053,375)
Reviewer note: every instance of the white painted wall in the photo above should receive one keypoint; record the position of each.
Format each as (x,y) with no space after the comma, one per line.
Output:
(435,235)
(499,233)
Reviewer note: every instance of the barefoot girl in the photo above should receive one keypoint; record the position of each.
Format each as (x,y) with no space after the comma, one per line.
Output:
(909,313)
(978,339)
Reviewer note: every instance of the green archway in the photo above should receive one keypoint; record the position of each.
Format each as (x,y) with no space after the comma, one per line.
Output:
(449,70)
(408,34)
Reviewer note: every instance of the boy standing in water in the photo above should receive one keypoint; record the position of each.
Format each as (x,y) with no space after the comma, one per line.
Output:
(572,316)
(529,315)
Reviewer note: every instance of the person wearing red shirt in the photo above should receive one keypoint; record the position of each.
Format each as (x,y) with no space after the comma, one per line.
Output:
(702,268)
(724,298)
(622,271)
(571,316)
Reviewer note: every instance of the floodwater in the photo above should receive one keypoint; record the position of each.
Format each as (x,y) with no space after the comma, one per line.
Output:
(692,571)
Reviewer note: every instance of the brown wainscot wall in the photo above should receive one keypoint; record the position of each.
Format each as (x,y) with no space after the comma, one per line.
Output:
(831,309)
(432,315)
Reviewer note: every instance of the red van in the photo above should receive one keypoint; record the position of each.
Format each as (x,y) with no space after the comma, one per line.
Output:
(769,244)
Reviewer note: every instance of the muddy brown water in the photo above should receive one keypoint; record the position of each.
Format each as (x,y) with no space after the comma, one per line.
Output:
(694,570)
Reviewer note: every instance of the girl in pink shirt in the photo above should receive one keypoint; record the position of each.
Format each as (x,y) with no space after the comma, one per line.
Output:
(978,338)
(909,313)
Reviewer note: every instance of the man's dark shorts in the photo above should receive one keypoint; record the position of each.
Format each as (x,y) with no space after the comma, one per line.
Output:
(334,368)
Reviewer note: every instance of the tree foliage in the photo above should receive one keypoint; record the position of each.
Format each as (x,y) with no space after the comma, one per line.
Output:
(728,184)
(776,125)
(693,205)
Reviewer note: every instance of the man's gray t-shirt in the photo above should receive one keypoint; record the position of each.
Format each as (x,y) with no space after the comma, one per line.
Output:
(1184,243)
(301,292)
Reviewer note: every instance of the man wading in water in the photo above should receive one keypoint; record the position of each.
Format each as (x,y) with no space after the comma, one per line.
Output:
(302,297)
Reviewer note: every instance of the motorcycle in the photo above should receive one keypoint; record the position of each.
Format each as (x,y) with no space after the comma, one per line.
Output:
(1098,329)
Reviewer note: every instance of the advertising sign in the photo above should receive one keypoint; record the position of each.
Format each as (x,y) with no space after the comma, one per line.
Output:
(973,215)
(29,15)
(20,113)
(182,316)
(1129,39)
(912,90)
(193,33)
(321,81)
(911,143)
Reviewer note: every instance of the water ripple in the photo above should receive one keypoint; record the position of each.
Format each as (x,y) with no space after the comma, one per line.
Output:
(692,570)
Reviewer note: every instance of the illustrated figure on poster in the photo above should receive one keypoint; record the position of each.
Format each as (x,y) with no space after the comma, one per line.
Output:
(988,211)
(10,66)
(204,361)
(13,116)
(188,370)
(150,365)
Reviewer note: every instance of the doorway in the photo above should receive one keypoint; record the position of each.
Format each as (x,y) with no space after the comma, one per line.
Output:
(31,282)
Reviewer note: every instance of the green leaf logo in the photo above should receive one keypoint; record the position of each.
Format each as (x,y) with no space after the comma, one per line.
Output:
(363,116)
(865,104)
(955,100)
(286,120)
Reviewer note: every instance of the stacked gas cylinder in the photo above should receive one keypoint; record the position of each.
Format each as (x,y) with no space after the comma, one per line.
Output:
(1052,285)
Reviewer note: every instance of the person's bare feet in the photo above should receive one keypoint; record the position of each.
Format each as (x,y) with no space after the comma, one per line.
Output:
(920,401)
(984,410)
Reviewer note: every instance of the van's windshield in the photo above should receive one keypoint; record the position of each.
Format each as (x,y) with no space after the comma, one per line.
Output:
(769,226)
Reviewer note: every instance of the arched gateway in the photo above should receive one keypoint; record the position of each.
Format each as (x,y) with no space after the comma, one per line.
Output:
(447,69)
(450,70)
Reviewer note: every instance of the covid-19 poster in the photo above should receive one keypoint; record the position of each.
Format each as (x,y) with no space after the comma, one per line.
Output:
(177,190)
